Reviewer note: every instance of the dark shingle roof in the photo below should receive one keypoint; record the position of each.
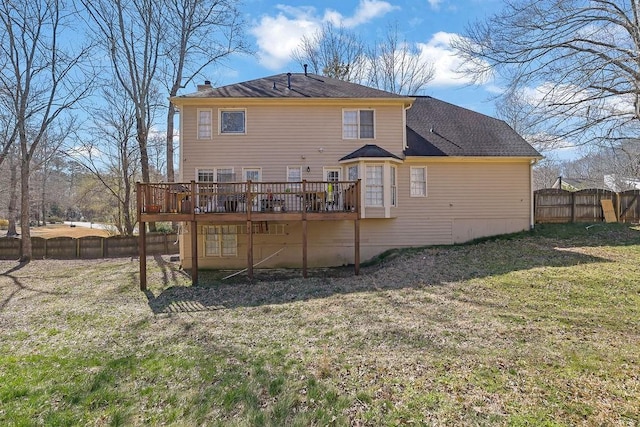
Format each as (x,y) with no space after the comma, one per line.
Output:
(369,151)
(302,86)
(437,128)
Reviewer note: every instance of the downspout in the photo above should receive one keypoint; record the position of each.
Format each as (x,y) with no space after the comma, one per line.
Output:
(404,127)
(531,195)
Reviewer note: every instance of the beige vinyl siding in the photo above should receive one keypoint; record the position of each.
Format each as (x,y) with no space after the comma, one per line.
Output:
(330,243)
(466,200)
(283,135)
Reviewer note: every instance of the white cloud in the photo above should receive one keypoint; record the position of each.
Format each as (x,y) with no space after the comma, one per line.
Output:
(277,36)
(438,51)
(367,11)
(435,4)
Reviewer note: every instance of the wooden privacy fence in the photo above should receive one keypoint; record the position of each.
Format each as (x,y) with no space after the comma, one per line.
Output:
(553,205)
(89,247)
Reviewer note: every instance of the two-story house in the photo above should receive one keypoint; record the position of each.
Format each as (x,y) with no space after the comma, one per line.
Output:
(300,169)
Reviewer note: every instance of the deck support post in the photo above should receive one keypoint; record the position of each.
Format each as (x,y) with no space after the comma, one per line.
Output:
(194,252)
(356,229)
(194,238)
(304,231)
(356,246)
(304,248)
(250,249)
(248,197)
(142,240)
(142,253)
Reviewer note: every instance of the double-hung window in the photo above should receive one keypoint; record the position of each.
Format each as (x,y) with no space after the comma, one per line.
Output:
(294,174)
(221,241)
(394,187)
(418,181)
(374,185)
(204,123)
(358,124)
(232,121)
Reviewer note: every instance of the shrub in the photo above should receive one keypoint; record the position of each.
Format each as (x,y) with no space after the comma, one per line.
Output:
(164,227)
(4,223)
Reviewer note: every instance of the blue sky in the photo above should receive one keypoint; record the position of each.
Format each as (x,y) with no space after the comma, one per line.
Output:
(276,28)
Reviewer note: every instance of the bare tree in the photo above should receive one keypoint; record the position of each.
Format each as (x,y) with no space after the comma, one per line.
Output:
(42,79)
(201,33)
(617,167)
(131,33)
(8,136)
(396,66)
(333,52)
(392,65)
(110,154)
(576,61)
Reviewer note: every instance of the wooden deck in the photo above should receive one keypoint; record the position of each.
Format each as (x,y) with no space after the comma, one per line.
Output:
(234,202)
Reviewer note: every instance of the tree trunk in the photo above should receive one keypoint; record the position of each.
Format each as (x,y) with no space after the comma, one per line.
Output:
(44,193)
(13,198)
(171,113)
(25,211)
(144,158)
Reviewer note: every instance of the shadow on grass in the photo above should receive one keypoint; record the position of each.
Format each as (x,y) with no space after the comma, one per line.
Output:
(549,246)
(17,285)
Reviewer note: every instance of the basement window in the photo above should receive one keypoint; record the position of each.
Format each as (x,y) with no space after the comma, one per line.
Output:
(221,241)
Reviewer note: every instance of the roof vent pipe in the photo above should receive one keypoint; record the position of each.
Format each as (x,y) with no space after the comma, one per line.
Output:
(289,80)
(305,69)
(207,82)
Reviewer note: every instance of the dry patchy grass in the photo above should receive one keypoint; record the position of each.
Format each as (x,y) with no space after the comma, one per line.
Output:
(538,329)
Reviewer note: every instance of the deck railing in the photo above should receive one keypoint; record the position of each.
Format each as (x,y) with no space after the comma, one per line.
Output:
(242,197)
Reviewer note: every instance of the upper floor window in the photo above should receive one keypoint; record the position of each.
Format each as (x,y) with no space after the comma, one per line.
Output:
(232,121)
(357,124)
(418,181)
(204,124)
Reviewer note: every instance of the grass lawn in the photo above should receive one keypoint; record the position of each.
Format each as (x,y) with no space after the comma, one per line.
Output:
(541,328)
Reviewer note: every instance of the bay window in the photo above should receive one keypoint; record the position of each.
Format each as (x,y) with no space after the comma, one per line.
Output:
(374,185)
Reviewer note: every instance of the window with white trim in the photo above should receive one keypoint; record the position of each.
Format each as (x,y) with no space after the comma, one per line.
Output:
(374,185)
(204,123)
(206,175)
(225,175)
(221,241)
(232,121)
(358,124)
(418,183)
(252,174)
(294,174)
(352,173)
(394,187)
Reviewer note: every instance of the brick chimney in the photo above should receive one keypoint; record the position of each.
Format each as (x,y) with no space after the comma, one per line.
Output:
(205,86)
